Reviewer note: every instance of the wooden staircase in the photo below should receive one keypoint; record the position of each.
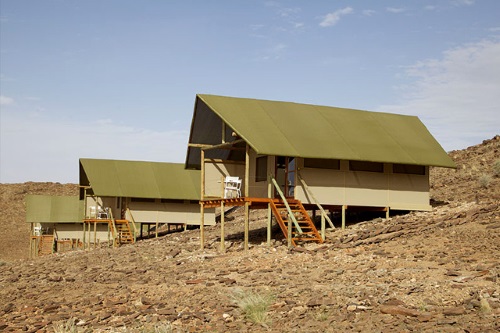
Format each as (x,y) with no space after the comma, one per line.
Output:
(46,245)
(122,233)
(305,224)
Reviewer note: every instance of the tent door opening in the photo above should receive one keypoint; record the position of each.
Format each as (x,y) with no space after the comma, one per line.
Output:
(285,175)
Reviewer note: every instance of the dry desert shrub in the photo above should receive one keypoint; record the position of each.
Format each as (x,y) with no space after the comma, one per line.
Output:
(485,180)
(68,326)
(253,305)
(496,168)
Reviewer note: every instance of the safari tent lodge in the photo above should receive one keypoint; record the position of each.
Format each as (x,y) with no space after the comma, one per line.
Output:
(290,158)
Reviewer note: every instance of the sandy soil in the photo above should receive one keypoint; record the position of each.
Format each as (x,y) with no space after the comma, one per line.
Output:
(424,271)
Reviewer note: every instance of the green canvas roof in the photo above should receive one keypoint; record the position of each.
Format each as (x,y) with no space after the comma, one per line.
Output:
(138,179)
(312,131)
(53,209)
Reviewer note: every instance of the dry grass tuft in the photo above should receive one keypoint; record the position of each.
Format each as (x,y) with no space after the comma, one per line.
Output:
(254,306)
(485,180)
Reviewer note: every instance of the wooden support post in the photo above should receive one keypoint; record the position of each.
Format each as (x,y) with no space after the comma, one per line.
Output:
(109,235)
(31,237)
(222,233)
(84,234)
(343,217)
(247,206)
(269,211)
(247,224)
(289,243)
(387,213)
(95,235)
(157,224)
(37,246)
(88,237)
(202,207)
(202,226)
(323,236)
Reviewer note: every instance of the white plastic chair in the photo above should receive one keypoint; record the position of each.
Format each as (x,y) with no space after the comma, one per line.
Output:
(37,231)
(232,187)
(103,213)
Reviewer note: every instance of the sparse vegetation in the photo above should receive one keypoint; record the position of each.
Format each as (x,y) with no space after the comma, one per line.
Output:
(322,314)
(496,168)
(253,305)
(485,306)
(68,326)
(485,180)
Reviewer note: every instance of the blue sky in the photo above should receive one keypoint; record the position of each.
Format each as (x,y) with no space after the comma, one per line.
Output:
(118,78)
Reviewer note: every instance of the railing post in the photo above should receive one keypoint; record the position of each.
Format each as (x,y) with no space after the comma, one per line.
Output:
(133,224)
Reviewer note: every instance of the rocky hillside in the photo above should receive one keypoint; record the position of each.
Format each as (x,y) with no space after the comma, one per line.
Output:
(426,272)
(14,239)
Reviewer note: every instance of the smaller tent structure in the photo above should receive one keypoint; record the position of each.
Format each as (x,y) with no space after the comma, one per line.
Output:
(143,193)
(56,223)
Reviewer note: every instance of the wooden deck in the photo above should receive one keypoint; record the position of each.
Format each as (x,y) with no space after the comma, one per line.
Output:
(255,203)
(103,221)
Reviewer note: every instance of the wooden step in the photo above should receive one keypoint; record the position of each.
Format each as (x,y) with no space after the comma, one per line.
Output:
(309,231)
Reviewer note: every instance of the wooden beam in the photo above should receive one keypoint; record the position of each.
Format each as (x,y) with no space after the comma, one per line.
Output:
(198,145)
(216,160)
(223,145)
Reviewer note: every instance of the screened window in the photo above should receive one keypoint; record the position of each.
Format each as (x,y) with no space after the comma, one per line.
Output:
(409,169)
(366,166)
(261,169)
(322,163)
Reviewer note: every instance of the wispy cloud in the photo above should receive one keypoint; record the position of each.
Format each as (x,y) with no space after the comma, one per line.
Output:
(273,52)
(4,100)
(463,2)
(395,10)
(456,96)
(331,19)
(368,12)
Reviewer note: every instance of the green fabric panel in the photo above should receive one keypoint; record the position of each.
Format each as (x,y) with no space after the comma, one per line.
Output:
(292,129)
(136,179)
(139,179)
(102,177)
(53,209)
(177,183)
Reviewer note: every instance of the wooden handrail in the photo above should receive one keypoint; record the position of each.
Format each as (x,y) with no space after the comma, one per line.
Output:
(290,213)
(133,223)
(308,190)
(115,231)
